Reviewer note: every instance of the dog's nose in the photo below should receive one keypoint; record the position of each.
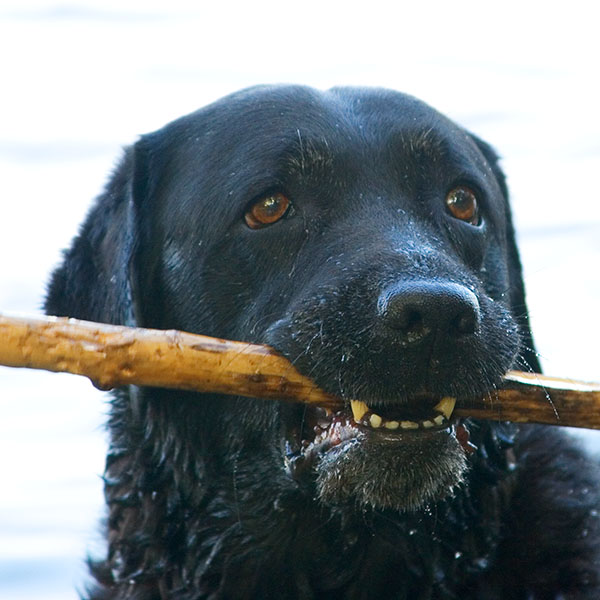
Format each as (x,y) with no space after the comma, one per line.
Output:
(417,309)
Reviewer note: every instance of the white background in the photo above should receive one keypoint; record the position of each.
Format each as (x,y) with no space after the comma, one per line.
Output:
(81,79)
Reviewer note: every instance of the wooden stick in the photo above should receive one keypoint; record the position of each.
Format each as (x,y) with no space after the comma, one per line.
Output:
(534,398)
(113,356)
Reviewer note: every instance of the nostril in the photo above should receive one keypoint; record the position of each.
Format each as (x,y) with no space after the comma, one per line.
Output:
(414,320)
(467,322)
(409,319)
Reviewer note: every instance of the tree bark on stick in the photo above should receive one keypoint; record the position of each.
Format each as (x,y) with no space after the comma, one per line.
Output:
(113,356)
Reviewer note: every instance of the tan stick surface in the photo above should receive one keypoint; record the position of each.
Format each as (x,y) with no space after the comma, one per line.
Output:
(112,356)
(534,398)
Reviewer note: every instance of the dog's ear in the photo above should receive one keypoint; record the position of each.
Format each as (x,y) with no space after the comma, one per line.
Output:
(93,281)
(517,286)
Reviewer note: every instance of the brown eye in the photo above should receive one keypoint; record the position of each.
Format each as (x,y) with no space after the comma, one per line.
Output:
(462,204)
(266,211)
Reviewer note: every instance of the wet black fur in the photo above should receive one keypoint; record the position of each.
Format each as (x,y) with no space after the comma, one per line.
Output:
(199,502)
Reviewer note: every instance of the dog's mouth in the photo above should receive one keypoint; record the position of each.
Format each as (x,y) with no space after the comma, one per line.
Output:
(321,430)
(408,418)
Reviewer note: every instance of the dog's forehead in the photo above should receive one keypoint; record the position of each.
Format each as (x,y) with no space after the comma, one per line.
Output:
(334,106)
(270,120)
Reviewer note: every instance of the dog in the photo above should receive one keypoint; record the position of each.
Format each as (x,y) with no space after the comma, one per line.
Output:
(368,239)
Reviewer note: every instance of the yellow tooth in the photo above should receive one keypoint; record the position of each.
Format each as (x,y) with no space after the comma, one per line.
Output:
(428,424)
(439,419)
(358,409)
(391,424)
(375,420)
(409,425)
(446,406)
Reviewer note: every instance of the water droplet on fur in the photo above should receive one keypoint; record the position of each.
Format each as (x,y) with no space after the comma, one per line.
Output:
(412,532)
(457,555)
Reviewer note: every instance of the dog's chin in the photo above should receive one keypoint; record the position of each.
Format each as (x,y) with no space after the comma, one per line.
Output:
(405,473)
(347,462)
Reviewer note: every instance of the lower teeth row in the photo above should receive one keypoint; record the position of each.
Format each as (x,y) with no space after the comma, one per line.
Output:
(364,416)
(375,421)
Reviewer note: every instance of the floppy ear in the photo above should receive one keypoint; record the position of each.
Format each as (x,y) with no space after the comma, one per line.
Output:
(515,271)
(517,287)
(93,281)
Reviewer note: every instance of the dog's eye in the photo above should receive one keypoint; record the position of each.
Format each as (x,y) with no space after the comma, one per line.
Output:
(267,210)
(462,204)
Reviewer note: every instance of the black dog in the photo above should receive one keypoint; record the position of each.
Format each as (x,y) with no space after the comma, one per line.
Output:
(369,240)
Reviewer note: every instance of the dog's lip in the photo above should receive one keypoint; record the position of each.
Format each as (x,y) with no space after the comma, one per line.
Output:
(402,417)
(324,430)
(385,421)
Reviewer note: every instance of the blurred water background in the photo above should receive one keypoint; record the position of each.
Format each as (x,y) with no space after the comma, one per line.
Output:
(81,79)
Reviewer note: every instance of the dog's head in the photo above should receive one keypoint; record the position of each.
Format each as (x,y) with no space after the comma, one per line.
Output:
(358,232)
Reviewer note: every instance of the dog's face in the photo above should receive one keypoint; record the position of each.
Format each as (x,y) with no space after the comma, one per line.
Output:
(358,232)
